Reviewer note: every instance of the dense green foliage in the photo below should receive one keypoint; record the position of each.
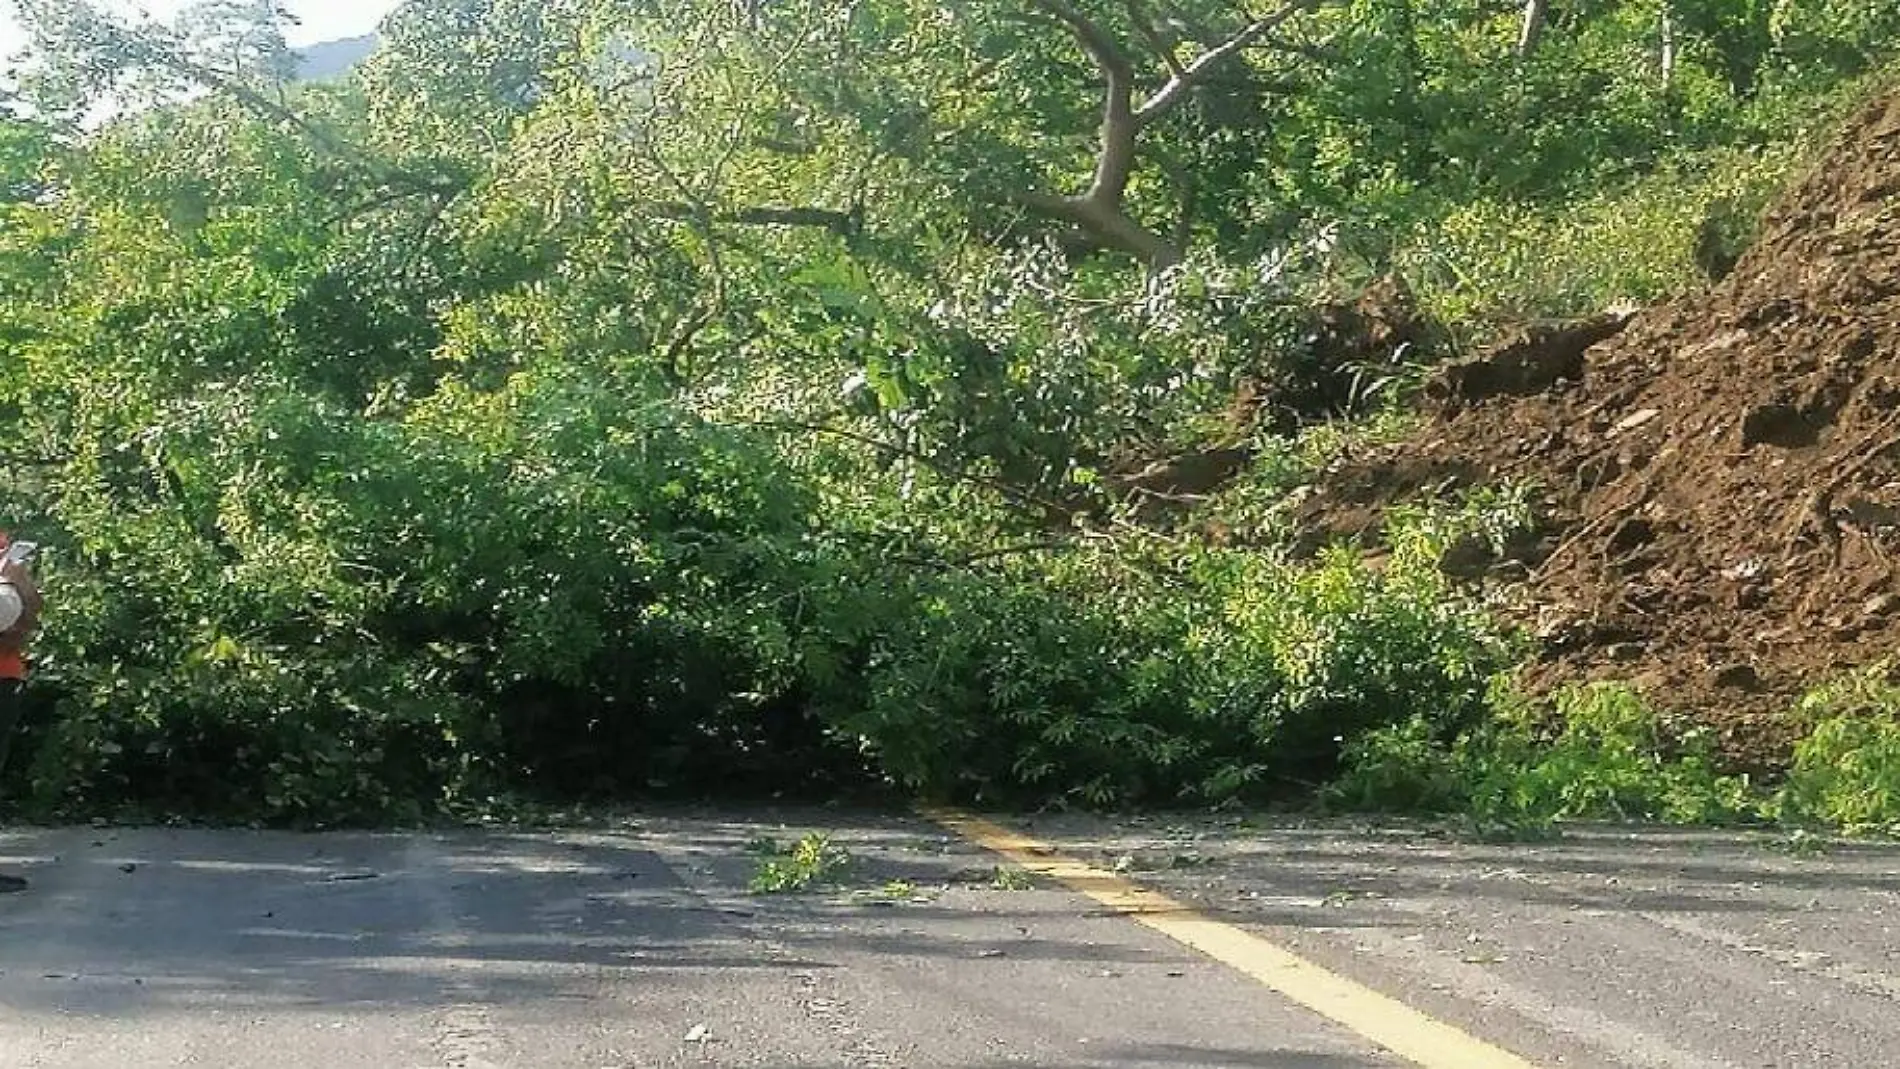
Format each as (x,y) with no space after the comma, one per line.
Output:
(1847,765)
(1602,754)
(628,395)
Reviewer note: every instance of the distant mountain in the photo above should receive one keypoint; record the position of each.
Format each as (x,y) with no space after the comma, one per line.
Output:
(333,59)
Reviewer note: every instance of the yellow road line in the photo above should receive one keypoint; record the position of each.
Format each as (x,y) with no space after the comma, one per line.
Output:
(1383,1020)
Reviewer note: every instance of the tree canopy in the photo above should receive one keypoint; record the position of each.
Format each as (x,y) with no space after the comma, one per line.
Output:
(609,395)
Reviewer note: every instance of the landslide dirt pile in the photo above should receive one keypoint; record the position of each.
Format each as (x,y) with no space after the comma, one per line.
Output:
(1721,475)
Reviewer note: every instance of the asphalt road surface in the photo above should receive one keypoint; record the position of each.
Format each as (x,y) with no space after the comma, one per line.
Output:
(638,943)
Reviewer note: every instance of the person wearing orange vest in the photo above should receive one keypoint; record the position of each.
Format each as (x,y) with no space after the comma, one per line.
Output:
(19,615)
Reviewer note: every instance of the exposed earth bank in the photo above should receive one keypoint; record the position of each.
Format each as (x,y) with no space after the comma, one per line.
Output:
(1718,478)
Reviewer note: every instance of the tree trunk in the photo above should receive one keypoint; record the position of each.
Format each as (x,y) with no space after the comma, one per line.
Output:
(1117,229)
(1668,50)
(1535,14)
(1102,212)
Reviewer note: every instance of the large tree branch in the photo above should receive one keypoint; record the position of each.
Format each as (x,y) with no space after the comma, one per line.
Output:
(1115,162)
(1064,208)
(1177,87)
(1108,223)
(1102,210)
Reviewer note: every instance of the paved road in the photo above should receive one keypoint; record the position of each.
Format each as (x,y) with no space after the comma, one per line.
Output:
(1609,948)
(637,945)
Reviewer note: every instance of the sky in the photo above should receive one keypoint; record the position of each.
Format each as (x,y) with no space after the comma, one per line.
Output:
(321,20)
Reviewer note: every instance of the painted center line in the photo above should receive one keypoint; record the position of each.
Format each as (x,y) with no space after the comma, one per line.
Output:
(1401,1029)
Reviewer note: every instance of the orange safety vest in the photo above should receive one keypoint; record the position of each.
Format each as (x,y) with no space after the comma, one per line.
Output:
(12,662)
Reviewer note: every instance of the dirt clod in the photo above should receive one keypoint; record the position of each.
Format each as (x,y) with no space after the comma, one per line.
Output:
(1735,677)
(1530,362)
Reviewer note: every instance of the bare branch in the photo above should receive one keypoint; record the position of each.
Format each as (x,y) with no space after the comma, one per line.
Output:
(374,202)
(321,139)
(699,217)
(1170,94)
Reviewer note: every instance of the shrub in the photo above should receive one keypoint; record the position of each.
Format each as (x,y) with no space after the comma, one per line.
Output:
(1490,261)
(1605,757)
(1846,769)
(1155,673)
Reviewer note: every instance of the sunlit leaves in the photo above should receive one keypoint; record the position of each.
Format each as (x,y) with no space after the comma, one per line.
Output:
(602,393)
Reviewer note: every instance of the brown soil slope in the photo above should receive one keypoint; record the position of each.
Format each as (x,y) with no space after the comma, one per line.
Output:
(1722,477)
